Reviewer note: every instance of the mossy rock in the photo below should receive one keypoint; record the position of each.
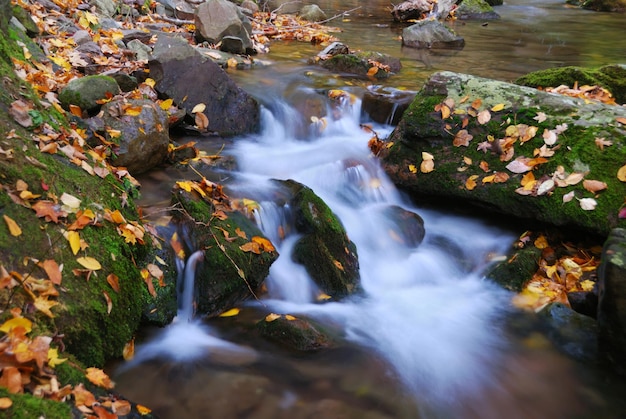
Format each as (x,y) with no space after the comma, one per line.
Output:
(422,129)
(611,77)
(324,249)
(85,92)
(357,64)
(27,406)
(476,9)
(517,270)
(228,274)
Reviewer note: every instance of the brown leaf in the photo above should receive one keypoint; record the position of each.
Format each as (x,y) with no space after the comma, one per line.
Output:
(202,122)
(19,111)
(114,282)
(11,379)
(99,378)
(462,138)
(49,210)
(594,186)
(484,117)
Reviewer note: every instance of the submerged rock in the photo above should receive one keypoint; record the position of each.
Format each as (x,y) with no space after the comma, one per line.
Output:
(386,107)
(294,333)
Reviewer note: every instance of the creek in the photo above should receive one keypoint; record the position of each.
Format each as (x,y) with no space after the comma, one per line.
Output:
(430,337)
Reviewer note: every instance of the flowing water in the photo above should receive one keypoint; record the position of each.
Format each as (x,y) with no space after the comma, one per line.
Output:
(429,337)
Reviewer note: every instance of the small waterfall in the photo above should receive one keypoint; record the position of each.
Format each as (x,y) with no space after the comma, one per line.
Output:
(185,286)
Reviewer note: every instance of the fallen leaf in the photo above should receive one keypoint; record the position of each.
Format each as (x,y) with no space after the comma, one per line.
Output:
(265,244)
(568,196)
(484,117)
(129,350)
(98,377)
(621,173)
(621,120)
(44,305)
(462,138)
(427,166)
(11,379)
(200,107)
(540,117)
(594,186)
(16,322)
(498,107)
(412,168)
(470,183)
(518,166)
(202,122)
(74,238)
(588,204)
(271,317)
(5,403)
(545,187)
(230,313)
(14,229)
(53,358)
(52,270)
(549,137)
(114,282)
(89,263)
(109,302)
(601,143)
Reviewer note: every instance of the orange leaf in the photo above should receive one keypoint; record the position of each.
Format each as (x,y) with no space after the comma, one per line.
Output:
(114,282)
(76,111)
(470,183)
(251,247)
(5,403)
(11,379)
(265,244)
(99,378)
(52,270)
(621,120)
(477,103)
(49,210)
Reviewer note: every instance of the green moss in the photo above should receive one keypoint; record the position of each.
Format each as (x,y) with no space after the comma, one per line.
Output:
(611,77)
(26,406)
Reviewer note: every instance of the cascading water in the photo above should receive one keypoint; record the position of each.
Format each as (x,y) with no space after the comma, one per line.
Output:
(425,310)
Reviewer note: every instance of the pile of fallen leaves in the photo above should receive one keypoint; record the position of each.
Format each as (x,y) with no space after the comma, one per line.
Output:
(586,92)
(563,268)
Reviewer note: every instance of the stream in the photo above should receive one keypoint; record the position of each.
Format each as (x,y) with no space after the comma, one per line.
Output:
(430,337)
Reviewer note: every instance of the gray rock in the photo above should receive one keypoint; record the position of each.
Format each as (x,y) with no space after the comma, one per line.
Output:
(141,50)
(215,19)
(81,37)
(335,48)
(573,333)
(312,13)
(233,45)
(189,78)
(144,138)
(431,34)
(89,47)
(249,6)
(84,92)
(132,34)
(412,9)
(107,8)
(612,300)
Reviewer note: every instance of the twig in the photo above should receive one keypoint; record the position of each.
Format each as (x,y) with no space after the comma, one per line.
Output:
(240,272)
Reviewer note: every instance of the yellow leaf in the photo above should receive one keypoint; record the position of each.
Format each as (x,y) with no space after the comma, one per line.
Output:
(166,104)
(323,297)
(230,313)
(53,358)
(587,285)
(133,110)
(621,173)
(289,317)
(44,305)
(265,244)
(541,242)
(99,378)
(232,63)
(143,410)
(150,82)
(412,168)
(61,62)
(470,183)
(74,238)
(89,263)
(5,403)
(16,322)
(498,107)
(14,229)
(271,317)
(488,179)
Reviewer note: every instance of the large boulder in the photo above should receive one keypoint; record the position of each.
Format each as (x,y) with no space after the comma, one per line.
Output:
(215,19)
(324,249)
(189,78)
(612,301)
(431,34)
(512,149)
(143,139)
